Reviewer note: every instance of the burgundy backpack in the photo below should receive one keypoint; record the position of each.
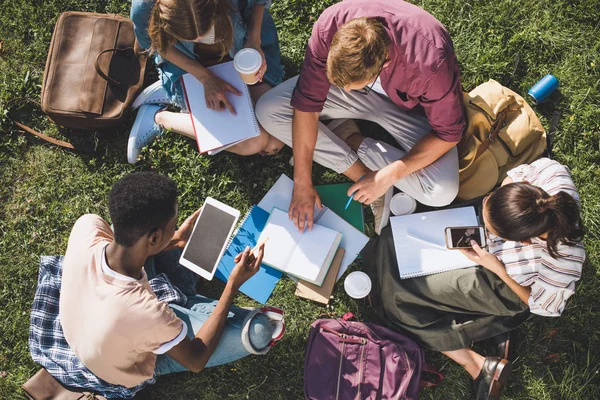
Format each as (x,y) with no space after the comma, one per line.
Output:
(349,360)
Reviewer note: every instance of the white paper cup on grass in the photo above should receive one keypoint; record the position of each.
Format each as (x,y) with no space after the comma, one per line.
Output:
(357,285)
(402,204)
(247,62)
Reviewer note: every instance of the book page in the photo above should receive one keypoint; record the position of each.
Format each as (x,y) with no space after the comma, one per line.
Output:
(311,253)
(283,238)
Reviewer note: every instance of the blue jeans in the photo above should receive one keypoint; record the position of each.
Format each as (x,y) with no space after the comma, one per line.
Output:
(196,312)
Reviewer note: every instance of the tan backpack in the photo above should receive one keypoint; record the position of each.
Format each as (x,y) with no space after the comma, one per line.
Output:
(502,132)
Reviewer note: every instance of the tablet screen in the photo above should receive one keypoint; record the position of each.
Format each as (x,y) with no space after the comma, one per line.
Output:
(210,235)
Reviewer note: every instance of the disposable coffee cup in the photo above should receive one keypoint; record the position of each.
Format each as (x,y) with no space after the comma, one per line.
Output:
(247,62)
(402,204)
(357,285)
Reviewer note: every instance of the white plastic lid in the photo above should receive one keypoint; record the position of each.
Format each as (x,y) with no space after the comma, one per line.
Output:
(357,285)
(247,61)
(402,204)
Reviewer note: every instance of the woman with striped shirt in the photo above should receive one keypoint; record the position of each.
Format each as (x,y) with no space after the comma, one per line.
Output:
(534,238)
(533,260)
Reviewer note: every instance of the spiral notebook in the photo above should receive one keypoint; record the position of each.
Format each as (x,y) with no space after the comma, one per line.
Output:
(419,240)
(217,130)
(260,286)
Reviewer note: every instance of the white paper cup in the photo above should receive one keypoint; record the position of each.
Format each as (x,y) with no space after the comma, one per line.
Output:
(402,204)
(357,285)
(247,62)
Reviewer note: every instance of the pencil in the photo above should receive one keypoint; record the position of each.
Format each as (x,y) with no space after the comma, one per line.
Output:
(255,249)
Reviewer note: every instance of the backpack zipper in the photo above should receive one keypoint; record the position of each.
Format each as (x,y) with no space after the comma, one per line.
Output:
(360,371)
(337,393)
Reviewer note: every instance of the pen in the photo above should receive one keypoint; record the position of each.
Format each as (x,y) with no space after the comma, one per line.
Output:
(351,197)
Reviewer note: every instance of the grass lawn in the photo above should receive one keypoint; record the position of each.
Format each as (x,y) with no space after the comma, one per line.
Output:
(43,190)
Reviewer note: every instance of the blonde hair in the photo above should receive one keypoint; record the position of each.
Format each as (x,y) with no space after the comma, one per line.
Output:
(186,20)
(357,53)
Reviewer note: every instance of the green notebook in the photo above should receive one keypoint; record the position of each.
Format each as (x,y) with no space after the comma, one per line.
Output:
(335,198)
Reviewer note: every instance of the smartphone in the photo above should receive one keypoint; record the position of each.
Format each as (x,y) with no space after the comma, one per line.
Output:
(210,236)
(459,237)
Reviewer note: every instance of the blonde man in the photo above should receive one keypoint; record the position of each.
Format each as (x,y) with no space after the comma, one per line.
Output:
(387,61)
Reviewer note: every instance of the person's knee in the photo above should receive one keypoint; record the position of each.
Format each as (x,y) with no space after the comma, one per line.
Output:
(251,146)
(443,193)
(266,108)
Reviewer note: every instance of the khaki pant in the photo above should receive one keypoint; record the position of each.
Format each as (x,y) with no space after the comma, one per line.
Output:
(435,185)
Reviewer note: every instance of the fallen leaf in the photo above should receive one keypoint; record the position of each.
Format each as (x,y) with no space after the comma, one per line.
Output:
(552,358)
(551,333)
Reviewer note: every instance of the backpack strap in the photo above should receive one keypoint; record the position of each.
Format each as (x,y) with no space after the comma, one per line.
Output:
(432,370)
(349,316)
(494,131)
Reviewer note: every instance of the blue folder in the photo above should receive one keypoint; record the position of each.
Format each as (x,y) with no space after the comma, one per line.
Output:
(262,284)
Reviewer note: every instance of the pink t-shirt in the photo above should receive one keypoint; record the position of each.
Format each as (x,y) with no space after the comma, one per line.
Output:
(112,324)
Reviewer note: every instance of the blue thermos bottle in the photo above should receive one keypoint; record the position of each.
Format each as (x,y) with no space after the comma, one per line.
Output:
(543,89)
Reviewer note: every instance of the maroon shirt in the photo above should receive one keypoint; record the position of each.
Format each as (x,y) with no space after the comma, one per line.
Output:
(423,74)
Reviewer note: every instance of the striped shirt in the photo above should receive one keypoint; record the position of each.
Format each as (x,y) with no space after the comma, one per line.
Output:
(552,280)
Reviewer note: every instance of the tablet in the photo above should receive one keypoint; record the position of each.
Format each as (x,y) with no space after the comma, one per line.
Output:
(209,238)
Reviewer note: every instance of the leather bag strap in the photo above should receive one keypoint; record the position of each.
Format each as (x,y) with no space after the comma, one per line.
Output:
(26,128)
(432,370)
(99,70)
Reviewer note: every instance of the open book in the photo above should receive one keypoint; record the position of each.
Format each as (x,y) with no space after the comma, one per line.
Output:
(217,130)
(353,240)
(305,255)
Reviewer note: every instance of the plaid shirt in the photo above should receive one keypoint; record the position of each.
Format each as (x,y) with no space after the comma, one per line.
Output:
(47,342)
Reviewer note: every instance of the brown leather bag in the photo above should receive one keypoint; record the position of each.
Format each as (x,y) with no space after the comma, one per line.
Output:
(43,386)
(94,71)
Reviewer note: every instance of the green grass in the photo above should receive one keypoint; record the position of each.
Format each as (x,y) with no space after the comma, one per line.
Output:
(43,190)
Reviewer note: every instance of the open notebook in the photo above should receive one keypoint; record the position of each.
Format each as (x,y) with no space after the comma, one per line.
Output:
(217,130)
(305,255)
(353,240)
(419,240)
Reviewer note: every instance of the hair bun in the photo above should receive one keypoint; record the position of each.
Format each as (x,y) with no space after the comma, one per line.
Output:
(542,204)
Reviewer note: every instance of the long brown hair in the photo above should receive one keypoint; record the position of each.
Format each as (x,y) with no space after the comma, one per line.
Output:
(186,20)
(520,211)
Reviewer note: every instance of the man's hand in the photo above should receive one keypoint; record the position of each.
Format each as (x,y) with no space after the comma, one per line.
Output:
(372,186)
(215,93)
(302,207)
(484,258)
(246,266)
(182,235)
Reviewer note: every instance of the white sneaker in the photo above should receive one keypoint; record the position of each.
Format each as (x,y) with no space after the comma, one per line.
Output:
(143,132)
(381,210)
(276,320)
(153,94)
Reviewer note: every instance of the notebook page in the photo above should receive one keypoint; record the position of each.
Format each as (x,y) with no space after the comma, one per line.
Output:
(283,238)
(415,256)
(215,129)
(312,251)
